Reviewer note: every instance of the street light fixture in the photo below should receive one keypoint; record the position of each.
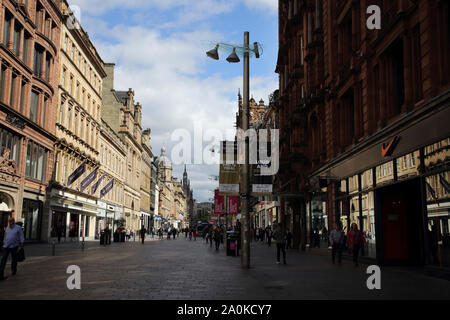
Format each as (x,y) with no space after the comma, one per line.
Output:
(233,57)
(246,51)
(213,54)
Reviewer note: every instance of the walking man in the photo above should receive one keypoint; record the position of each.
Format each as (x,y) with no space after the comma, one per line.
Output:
(217,237)
(337,242)
(280,237)
(13,240)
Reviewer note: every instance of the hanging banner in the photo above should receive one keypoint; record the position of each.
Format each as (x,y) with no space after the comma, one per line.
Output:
(76,174)
(88,180)
(106,189)
(233,205)
(96,185)
(218,203)
(229,170)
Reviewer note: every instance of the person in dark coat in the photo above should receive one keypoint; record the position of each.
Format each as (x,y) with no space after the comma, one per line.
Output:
(59,230)
(217,237)
(288,240)
(143,232)
(280,237)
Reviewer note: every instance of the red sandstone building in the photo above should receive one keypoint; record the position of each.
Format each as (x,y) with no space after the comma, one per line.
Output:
(364,125)
(30,34)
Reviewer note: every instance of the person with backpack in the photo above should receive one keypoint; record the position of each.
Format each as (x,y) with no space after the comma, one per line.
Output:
(337,238)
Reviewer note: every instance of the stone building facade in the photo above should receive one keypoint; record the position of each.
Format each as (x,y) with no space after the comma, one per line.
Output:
(124,116)
(29,44)
(361,114)
(146,180)
(112,169)
(78,124)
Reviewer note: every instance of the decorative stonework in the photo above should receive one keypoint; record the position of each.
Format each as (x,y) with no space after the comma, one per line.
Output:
(15,121)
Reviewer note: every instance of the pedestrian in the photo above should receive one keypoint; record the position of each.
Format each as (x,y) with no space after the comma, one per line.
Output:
(288,240)
(169,233)
(355,239)
(337,237)
(195,234)
(257,235)
(210,236)
(143,231)
(269,235)
(217,237)
(280,237)
(186,231)
(59,230)
(316,238)
(13,239)
(174,233)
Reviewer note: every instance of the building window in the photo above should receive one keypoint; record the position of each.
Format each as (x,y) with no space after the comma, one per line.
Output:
(6,28)
(47,67)
(34,106)
(44,111)
(12,142)
(413,160)
(444,34)
(38,56)
(22,96)
(26,39)
(36,161)
(16,44)
(13,90)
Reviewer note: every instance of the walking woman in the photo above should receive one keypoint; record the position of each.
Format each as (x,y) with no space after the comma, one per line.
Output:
(355,239)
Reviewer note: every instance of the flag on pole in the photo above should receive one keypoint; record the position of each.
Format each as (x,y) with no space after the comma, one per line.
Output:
(106,189)
(88,180)
(96,185)
(77,173)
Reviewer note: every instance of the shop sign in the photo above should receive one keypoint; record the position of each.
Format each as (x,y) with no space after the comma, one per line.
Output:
(388,148)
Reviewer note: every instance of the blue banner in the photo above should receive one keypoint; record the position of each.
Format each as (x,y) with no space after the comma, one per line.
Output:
(96,185)
(88,180)
(106,189)
(77,173)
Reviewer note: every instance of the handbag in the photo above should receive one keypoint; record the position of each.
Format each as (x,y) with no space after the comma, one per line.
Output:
(21,255)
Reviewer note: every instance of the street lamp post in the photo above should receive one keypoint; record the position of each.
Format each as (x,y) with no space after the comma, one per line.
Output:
(245,178)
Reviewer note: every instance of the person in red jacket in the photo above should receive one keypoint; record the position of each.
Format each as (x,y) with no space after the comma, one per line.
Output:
(355,239)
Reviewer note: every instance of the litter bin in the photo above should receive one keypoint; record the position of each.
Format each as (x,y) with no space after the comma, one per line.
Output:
(232,243)
(122,237)
(116,237)
(102,237)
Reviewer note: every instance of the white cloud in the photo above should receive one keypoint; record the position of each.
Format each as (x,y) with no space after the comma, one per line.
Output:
(168,76)
(271,5)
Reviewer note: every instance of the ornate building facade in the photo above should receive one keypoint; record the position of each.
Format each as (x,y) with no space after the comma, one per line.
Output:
(78,125)
(361,115)
(124,116)
(113,154)
(29,58)
(146,177)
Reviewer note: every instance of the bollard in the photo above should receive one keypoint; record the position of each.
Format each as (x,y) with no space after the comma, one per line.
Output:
(53,248)
(82,245)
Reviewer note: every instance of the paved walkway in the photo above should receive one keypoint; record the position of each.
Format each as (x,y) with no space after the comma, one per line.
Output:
(183,270)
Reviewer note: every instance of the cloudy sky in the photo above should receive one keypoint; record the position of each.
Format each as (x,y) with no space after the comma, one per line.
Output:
(159,49)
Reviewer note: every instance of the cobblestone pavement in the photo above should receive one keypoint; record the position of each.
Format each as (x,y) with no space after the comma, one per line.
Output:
(184,270)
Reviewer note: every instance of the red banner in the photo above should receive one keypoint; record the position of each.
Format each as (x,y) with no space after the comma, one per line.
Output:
(218,203)
(233,205)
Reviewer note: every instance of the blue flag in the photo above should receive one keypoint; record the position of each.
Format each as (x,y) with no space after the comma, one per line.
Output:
(106,189)
(77,173)
(96,185)
(88,180)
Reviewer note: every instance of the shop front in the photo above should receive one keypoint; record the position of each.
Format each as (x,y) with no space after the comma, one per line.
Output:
(394,186)
(72,216)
